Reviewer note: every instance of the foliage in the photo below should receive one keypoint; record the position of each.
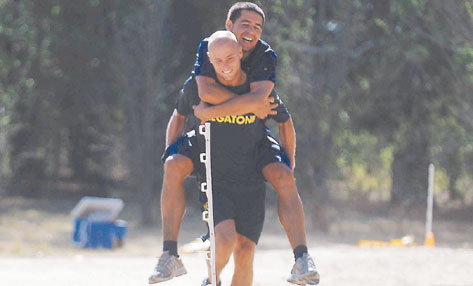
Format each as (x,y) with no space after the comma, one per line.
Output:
(377,91)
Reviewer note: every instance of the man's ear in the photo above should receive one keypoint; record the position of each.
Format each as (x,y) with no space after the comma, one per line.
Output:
(241,51)
(229,24)
(208,56)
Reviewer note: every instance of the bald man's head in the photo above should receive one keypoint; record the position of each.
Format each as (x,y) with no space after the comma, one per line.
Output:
(225,54)
(222,38)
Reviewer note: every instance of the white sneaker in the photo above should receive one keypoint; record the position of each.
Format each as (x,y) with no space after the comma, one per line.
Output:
(195,246)
(168,267)
(304,271)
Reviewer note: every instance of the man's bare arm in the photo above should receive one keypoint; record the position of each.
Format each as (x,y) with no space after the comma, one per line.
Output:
(287,133)
(256,101)
(212,92)
(205,112)
(175,128)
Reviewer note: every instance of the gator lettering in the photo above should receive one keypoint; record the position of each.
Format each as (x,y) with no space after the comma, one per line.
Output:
(233,119)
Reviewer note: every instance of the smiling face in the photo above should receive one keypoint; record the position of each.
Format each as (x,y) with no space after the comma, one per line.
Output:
(247,29)
(225,54)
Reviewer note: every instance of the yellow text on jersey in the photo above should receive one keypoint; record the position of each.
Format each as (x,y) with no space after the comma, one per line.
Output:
(236,119)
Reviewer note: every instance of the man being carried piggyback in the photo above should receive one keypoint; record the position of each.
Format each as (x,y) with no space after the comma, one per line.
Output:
(245,20)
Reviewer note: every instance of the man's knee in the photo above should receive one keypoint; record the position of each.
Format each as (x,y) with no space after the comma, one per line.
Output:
(178,166)
(278,175)
(246,247)
(225,234)
(244,251)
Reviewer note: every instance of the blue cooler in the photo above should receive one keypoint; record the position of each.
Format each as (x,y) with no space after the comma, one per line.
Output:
(95,234)
(95,224)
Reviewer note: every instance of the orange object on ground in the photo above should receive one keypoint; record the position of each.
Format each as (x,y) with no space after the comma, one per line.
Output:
(430,240)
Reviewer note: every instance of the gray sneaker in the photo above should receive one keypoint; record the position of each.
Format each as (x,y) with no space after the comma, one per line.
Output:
(169,266)
(304,271)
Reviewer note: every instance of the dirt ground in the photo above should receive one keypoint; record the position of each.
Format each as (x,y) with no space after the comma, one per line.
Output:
(338,265)
(36,249)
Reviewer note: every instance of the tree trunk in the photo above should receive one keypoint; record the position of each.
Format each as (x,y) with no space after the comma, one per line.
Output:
(409,168)
(143,65)
(453,169)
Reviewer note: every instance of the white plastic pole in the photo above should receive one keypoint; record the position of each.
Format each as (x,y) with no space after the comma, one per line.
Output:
(207,188)
(430,200)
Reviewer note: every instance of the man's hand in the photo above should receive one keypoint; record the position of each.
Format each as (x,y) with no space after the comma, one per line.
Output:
(200,111)
(264,106)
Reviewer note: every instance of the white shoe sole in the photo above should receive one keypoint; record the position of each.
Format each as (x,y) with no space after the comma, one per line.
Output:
(194,247)
(159,280)
(311,278)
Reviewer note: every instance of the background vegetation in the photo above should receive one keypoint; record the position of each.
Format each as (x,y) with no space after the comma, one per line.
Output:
(377,90)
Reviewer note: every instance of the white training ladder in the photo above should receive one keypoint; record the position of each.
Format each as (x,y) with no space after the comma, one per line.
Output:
(208,216)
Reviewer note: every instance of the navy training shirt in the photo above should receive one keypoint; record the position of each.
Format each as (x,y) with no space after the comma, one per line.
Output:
(235,139)
(259,65)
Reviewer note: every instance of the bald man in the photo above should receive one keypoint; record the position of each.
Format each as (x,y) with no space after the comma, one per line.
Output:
(245,20)
(237,183)
(238,188)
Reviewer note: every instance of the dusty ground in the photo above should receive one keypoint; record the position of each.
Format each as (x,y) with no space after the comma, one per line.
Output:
(339,265)
(35,249)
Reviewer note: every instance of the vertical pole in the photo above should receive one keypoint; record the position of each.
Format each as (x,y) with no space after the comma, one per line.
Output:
(430,204)
(207,188)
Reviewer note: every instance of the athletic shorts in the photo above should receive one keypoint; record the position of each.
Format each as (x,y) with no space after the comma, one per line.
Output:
(270,151)
(245,208)
(186,145)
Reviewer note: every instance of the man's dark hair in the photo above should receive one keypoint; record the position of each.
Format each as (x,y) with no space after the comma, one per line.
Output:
(235,11)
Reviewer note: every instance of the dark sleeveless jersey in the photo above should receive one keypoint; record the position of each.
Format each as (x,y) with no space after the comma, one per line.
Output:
(234,139)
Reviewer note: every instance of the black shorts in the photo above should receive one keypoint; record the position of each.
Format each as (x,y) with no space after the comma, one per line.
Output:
(270,151)
(187,145)
(245,208)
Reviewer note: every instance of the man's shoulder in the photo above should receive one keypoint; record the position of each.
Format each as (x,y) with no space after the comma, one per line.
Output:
(203,45)
(264,48)
(262,53)
(190,85)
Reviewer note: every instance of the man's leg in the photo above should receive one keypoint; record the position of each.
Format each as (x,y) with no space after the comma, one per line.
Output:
(291,216)
(173,200)
(225,241)
(243,256)
(290,209)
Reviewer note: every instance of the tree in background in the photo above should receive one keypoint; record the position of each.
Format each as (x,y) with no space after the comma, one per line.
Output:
(388,68)
(377,90)
(26,90)
(142,64)
(410,82)
(88,98)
